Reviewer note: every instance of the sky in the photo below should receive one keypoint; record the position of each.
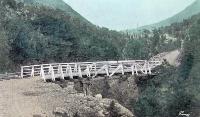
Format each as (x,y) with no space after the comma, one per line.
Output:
(127,14)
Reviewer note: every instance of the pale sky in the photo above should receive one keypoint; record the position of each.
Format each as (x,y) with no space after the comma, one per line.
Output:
(127,14)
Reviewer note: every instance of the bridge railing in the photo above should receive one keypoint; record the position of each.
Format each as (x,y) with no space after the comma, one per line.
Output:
(89,69)
(10,75)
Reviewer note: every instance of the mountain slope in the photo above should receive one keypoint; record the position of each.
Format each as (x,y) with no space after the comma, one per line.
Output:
(55,4)
(39,31)
(191,10)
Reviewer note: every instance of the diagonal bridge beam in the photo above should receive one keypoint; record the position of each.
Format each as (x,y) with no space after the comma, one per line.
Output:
(89,69)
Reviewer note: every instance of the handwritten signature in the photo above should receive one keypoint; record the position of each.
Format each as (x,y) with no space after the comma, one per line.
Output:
(182,113)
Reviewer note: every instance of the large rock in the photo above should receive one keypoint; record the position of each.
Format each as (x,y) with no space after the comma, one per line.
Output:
(88,106)
(124,89)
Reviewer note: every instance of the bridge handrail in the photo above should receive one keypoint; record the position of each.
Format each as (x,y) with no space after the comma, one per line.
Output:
(97,67)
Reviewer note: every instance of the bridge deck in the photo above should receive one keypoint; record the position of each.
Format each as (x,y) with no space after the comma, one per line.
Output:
(89,69)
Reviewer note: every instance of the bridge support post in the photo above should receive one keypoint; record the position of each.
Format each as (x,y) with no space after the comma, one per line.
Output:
(145,68)
(136,70)
(95,68)
(88,71)
(150,71)
(42,73)
(61,71)
(70,72)
(52,73)
(76,68)
(107,70)
(32,71)
(122,67)
(79,71)
(22,72)
(145,71)
(132,69)
(149,68)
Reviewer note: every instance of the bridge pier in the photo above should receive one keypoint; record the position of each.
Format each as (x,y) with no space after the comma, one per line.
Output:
(61,72)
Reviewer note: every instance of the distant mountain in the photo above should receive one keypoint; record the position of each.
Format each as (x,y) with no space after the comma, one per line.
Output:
(191,10)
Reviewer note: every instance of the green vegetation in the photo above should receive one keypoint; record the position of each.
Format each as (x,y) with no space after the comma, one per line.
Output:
(164,95)
(41,32)
(191,62)
(174,89)
(35,32)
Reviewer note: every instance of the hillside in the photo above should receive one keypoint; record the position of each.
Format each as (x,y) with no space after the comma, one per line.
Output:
(37,31)
(55,4)
(33,30)
(175,88)
(189,11)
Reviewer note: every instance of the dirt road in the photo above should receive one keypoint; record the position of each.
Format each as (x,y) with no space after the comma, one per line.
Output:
(31,98)
(34,98)
(172,57)
(19,98)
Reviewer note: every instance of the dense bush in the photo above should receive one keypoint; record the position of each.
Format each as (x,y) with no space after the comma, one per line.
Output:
(164,95)
(174,89)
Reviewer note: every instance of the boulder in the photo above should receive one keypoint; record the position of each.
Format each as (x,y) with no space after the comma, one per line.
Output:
(88,106)
(98,96)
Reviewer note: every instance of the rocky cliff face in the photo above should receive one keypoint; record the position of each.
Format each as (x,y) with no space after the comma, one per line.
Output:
(122,88)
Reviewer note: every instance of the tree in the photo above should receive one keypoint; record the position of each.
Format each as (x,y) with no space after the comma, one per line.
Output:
(5,62)
(135,49)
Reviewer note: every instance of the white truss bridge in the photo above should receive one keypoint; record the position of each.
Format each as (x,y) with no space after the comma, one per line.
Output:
(90,69)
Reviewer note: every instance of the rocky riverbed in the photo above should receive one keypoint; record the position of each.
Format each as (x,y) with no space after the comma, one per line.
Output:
(34,98)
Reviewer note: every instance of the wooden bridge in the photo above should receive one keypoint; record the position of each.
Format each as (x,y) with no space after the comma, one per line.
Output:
(90,69)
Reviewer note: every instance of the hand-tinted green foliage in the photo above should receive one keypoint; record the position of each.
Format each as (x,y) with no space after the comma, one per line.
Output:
(41,34)
(191,62)
(155,93)
(163,96)
(191,51)
(180,100)
(136,49)
(174,89)
(4,52)
(147,104)
(11,3)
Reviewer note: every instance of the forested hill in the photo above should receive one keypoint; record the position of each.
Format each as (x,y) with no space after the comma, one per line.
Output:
(37,31)
(174,88)
(55,4)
